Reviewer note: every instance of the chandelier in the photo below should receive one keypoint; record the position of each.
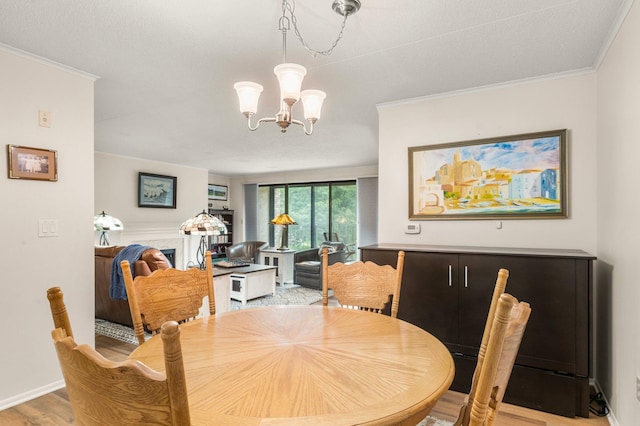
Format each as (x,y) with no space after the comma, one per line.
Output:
(290,76)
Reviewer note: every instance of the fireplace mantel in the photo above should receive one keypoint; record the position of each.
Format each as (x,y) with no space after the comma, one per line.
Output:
(160,238)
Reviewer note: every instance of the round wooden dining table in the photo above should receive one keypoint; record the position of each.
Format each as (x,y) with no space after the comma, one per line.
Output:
(307,365)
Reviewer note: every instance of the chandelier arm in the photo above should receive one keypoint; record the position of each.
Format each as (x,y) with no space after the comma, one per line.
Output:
(304,126)
(262,120)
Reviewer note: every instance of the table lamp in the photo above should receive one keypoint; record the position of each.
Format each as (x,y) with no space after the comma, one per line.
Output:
(105,223)
(285,220)
(203,224)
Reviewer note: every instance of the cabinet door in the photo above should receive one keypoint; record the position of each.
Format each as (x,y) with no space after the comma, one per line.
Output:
(429,295)
(548,284)
(477,281)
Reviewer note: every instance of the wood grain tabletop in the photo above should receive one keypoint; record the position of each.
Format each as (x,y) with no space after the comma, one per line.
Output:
(310,365)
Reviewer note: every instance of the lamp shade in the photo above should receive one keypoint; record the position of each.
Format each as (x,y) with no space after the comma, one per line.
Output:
(105,222)
(283,219)
(203,224)
(312,102)
(290,77)
(248,96)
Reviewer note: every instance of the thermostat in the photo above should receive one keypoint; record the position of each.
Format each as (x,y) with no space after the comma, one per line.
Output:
(412,228)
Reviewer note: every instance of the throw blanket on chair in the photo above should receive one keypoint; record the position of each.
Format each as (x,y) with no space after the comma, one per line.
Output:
(132,253)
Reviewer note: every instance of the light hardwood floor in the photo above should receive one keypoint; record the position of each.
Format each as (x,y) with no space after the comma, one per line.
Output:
(53,409)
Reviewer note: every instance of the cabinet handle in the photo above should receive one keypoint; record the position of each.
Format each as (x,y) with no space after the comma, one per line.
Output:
(466,282)
(449,275)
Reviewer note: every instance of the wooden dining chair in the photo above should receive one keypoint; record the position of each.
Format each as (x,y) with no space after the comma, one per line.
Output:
(102,392)
(498,289)
(167,295)
(363,285)
(494,369)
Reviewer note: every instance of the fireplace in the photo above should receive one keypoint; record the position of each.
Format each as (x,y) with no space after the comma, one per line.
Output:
(164,239)
(170,254)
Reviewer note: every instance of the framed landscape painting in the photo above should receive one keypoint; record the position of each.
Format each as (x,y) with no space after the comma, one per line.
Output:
(218,192)
(512,177)
(157,191)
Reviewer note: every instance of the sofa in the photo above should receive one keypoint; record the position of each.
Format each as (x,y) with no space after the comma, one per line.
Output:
(307,263)
(117,310)
(246,251)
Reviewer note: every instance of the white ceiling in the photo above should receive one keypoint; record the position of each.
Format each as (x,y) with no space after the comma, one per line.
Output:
(167,68)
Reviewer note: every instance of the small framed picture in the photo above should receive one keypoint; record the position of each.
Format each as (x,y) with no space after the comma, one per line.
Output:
(157,191)
(218,192)
(32,163)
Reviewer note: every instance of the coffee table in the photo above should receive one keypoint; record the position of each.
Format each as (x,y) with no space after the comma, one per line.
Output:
(248,282)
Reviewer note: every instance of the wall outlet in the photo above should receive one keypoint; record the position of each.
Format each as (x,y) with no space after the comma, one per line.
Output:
(44,118)
(638,388)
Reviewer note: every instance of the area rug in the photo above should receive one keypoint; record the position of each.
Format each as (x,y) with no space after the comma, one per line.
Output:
(287,295)
(433,421)
(117,331)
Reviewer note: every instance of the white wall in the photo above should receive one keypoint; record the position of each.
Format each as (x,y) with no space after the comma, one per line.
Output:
(568,102)
(116,192)
(618,292)
(28,363)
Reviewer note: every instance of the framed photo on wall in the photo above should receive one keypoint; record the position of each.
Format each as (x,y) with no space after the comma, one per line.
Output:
(32,163)
(510,177)
(157,191)
(218,192)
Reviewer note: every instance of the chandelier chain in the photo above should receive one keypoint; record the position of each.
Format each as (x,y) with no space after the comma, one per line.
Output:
(290,6)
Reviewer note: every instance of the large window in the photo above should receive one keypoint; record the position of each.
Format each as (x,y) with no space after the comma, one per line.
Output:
(318,208)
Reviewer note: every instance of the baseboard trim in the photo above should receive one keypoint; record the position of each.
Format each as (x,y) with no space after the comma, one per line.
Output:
(32,394)
(611,418)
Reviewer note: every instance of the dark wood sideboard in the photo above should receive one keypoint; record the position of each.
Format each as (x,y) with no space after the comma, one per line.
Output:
(446,290)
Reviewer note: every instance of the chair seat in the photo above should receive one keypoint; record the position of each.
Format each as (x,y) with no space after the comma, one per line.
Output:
(309,266)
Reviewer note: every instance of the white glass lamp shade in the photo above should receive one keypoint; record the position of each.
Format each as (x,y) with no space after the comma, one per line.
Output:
(248,95)
(105,222)
(290,77)
(312,102)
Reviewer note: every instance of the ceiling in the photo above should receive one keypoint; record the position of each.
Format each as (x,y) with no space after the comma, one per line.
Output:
(166,68)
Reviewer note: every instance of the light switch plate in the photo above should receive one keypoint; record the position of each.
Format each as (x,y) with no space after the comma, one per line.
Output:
(47,228)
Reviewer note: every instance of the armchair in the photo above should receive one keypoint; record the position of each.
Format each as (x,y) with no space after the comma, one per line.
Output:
(307,263)
(245,251)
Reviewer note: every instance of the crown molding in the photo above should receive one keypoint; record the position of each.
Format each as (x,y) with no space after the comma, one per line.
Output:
(48,62)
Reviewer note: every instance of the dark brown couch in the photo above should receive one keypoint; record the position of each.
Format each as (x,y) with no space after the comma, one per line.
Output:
(117,310)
